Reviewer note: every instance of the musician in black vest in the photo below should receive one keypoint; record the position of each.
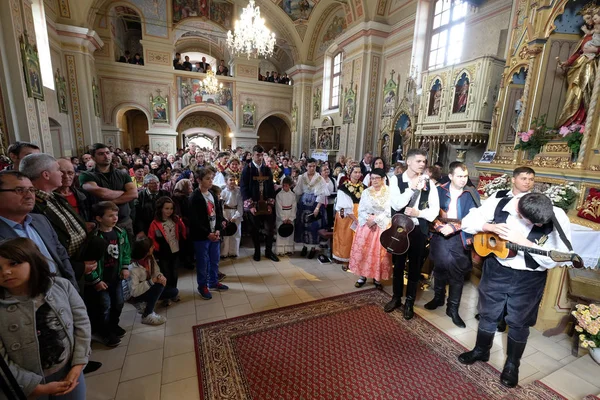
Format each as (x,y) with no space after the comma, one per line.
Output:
(449,248)
(250,189)
(517,283)
(522,180)
(426,209)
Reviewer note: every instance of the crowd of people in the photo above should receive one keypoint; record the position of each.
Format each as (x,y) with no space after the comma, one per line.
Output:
(200,66)
(274,77)
(82,235)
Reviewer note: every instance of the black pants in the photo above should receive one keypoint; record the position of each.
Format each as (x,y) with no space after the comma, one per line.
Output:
(168,263)
(415,263)
(256,224)
(450,259)
(104,307)
(520,291)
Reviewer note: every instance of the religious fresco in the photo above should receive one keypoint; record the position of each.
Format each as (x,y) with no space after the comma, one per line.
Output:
(334,29)
(402,135)
(461,94)
(220,12)
(435,99)
(155,10)
(298,9)
(191,92)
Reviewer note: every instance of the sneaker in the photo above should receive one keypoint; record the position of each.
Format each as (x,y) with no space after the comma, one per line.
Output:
(204,293)
(221,276)
(153,319)
(219,287)
(111,340)
(119,332)
(140,306)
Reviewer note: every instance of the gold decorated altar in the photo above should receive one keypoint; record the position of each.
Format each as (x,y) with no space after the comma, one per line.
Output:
(547,74)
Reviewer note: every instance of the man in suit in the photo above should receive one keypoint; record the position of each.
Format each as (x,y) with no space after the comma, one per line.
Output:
(17,199)
(251,194)
(204,65)
(365,163)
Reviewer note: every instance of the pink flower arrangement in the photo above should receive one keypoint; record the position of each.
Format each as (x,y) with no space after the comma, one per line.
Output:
(525,136)
(565,130)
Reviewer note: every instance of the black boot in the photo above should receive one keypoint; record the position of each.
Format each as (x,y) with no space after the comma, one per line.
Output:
(439,287)
(411,295)
(481,352)
(453,303)
(396,302)
(510,373)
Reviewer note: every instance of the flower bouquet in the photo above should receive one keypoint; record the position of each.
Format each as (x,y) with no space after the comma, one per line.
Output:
(574,136)
(563,196)
(588,326)
(537,136)
(500,183)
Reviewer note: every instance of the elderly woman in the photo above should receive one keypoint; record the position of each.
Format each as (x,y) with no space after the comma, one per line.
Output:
(76,197)
(145,207)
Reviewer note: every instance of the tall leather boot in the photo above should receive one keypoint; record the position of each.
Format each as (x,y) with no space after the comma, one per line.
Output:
(453,302)
(439,298)
(510,373)
(411,294)
(481,352)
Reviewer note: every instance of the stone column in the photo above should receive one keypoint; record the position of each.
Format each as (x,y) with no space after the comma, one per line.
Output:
(302,77)
(78,45)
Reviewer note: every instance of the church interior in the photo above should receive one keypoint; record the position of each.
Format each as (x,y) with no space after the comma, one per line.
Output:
(495,84)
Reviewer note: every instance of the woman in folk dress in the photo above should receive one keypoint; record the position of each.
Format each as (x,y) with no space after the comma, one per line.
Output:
(368,258)
(349,194)
(312,191)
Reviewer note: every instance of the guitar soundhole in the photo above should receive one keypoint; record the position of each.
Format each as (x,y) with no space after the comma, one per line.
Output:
(400,230)
(492,242)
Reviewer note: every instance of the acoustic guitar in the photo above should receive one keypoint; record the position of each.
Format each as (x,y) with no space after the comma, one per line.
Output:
(486,243)
(395,238)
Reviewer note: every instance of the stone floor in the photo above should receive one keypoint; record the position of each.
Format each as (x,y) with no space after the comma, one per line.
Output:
(159,362)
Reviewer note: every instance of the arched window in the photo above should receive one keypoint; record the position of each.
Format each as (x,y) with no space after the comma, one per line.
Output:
(336,81)
(127,34)
(447,33)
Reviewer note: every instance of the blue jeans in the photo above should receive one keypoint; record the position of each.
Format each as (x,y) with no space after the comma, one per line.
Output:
(77,394)
(207,262)
(151,296)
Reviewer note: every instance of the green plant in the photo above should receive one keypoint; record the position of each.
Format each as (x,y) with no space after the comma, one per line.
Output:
(537,136)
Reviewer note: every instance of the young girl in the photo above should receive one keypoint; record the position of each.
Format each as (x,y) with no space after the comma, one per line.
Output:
(147,283)
(45,331)
(285,205)
(166,231)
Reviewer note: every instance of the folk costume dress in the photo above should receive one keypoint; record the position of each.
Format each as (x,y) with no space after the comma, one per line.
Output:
(368,257)
(285,206)
(233,210)
(348,198)
(311,191)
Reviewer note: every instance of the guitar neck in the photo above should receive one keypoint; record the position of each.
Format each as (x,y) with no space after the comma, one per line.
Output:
(532,250)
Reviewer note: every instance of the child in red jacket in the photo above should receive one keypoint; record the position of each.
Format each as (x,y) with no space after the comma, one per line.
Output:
(166,231)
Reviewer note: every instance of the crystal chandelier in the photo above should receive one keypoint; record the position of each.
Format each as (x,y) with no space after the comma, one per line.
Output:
(251,36)
(211,84)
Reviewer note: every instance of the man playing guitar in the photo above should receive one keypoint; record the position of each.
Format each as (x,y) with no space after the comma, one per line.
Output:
(517,283)
(427,209)
(449,247)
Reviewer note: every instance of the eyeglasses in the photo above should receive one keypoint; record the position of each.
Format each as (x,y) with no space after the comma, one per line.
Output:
(21,191)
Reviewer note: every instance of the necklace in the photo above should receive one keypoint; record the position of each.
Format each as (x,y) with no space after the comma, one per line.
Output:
(381,196)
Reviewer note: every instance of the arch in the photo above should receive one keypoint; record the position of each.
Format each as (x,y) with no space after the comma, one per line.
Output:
(286,117)
(191,133)
(121,108)
(274,131)
(206,107)
(122,14)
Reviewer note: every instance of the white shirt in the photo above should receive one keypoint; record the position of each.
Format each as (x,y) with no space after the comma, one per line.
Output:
(285,206)
(452,207)
(477,217)
(400,200)
(316,186)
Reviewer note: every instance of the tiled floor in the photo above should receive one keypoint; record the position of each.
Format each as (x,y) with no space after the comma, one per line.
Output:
(159,362)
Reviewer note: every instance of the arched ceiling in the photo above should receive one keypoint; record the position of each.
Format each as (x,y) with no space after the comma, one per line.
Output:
(294,27)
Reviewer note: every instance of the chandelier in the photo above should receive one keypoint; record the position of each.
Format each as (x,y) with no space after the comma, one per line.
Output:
(211,84)
(251,36)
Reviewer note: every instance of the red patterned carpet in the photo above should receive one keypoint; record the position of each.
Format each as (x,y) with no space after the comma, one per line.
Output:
(343,347)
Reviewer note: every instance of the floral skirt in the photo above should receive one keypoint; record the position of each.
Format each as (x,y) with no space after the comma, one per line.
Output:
(368,257)
(343,236)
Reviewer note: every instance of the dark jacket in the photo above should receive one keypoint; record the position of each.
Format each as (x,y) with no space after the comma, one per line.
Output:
(464,204)
(251,189)
(48,235)
(145,209)
(198,216)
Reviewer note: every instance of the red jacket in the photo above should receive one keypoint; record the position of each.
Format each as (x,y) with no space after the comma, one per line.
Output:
(157,226)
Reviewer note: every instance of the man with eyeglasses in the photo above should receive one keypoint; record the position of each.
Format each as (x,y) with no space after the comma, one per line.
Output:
(17,199)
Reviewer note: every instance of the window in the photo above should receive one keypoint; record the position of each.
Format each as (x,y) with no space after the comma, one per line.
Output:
(336,76)
(447,33)
(43,45)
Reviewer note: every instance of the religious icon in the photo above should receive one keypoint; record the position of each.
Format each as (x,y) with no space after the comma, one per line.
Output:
(31,64)
(390,93)
(96,97)
(317,104)
(61,92)
(435,99)
(248,112)
(159,106)
(349,106)
(461,94)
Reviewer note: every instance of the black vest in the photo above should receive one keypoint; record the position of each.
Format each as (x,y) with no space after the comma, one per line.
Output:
(423,203)
(536,233)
